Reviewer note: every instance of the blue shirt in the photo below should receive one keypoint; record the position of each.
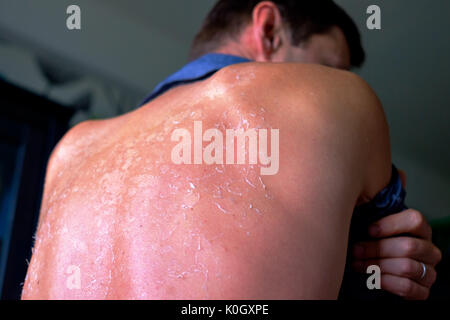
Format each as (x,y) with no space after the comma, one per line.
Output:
(196,70)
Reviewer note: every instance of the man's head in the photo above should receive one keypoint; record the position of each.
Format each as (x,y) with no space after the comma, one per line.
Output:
(309,31)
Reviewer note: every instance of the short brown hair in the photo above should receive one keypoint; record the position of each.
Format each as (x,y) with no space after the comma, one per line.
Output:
(304,17)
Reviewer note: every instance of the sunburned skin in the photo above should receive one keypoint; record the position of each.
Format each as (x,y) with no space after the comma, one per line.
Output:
(138,226)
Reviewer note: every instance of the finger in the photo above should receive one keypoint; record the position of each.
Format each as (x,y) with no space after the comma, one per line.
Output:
(399,247)
(404,287)
(409,221)
(403,177)
(402,267)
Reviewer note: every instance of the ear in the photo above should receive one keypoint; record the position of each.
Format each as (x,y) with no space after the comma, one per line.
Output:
(267,30)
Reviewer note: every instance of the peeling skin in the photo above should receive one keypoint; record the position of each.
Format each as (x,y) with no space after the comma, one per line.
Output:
(140,227)
(125,220)
(220,208)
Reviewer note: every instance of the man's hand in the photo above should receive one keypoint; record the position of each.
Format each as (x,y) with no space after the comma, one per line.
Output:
(400,257)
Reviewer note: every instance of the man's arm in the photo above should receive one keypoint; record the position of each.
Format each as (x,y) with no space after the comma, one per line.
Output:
(400,257)
(355,116)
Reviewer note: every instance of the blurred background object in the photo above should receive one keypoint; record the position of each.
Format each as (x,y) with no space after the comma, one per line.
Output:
(125,48)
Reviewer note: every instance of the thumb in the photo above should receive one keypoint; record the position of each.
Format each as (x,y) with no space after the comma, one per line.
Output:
(403,177)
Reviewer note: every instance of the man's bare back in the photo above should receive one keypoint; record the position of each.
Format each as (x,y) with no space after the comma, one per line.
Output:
(137,226)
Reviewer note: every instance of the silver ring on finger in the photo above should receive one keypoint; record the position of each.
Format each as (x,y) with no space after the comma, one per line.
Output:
(424,271)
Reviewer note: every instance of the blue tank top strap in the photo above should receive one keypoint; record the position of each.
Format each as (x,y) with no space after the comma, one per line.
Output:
(388,201)
(196,70)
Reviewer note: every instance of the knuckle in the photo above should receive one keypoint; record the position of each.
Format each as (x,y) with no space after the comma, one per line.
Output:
(409,246)
(416,218)
(433,276)
(421,294)
(438,254)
